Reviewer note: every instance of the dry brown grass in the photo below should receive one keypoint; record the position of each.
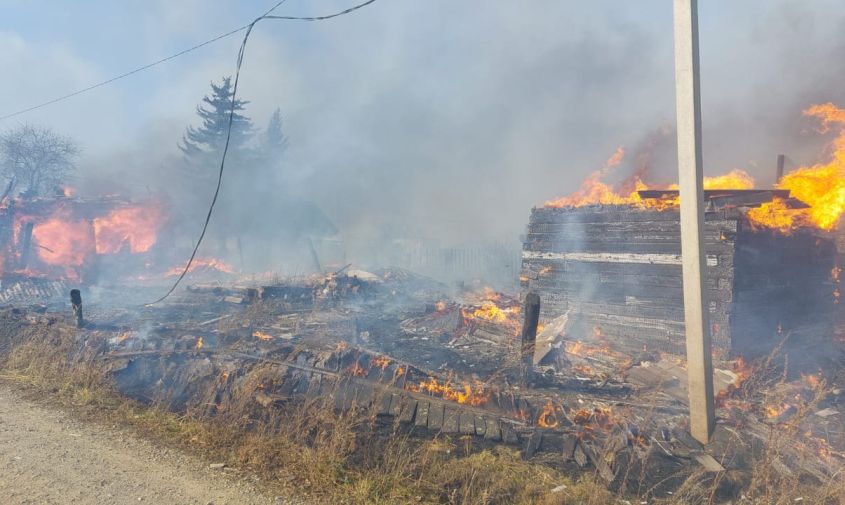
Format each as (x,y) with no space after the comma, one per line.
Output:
(348,457)
(353,457)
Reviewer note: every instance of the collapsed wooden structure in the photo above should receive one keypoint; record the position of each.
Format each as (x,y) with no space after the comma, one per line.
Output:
(65,237)
(394,346)
(616,270)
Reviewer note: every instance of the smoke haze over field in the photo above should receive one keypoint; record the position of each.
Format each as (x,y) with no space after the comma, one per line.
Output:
(441,119)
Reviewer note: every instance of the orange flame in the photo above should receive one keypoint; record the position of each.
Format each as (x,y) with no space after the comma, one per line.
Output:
(597,418)
(464,394)
(812,381)
(123,336)
(578,348)
(261,335)
(199,344)
(380,362)
(773,411)
(357,370)
(742,370)
(492,312)
(548,417)
(583,369)
(821,186)
(496,309)
(134,228)
(64,236)
(735,179)
(63,240)
(574,347)
(205,263)
(594,191)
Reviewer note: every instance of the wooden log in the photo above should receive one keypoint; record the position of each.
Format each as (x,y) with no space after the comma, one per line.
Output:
(395,405)
(597,459)
(451,420)
(493,430)
(366,395)
(532,445)
(422,414)
(435,416)
(384,400)
(579,455)
(509,435)
(569,443)
(480,425)
(409,409)
(467,423)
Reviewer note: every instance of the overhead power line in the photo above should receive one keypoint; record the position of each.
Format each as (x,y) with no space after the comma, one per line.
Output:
(176,55)
(240,59)
(121,76)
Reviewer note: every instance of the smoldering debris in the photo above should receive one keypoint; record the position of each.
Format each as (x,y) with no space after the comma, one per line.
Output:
(397,345)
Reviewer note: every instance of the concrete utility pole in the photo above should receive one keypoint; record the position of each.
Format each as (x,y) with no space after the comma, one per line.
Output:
(690,181)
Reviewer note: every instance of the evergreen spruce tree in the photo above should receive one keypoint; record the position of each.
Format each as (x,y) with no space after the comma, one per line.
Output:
(275,142)
(210,137)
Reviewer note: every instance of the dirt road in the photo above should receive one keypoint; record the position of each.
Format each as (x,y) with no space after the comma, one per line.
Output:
(48,458)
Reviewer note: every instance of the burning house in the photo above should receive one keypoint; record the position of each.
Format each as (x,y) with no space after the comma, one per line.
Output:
(616,270)
(609,258)
(69,238)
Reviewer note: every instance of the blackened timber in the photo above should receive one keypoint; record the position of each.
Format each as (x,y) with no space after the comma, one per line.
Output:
(618,268)
(529,332)
(710,194)
(76,304)
(26,244)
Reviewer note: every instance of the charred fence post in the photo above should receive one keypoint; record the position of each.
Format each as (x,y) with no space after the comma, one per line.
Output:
(529,333)
(781,163)
(76,303)
(26,243)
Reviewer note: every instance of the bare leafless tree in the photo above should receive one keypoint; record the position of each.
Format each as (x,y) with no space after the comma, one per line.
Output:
(35,160)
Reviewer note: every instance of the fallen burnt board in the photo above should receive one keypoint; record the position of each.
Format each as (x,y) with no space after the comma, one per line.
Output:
(353,379)
(617,271)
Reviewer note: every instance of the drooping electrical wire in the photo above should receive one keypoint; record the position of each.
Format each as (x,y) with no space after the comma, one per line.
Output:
(123,75)
(240,59)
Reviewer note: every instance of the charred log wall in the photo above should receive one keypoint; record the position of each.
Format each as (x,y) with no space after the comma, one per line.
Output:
(617,270)
(783,286)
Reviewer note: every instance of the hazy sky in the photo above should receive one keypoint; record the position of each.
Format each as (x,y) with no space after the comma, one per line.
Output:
(437,117)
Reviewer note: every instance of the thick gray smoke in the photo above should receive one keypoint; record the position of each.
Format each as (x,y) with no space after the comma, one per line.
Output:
(449,120)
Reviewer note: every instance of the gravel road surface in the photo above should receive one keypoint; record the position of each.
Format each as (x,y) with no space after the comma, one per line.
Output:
(47,457)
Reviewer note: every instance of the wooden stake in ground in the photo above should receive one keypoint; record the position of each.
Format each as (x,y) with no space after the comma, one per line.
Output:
(76,303)
(690,181)
(529,333)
